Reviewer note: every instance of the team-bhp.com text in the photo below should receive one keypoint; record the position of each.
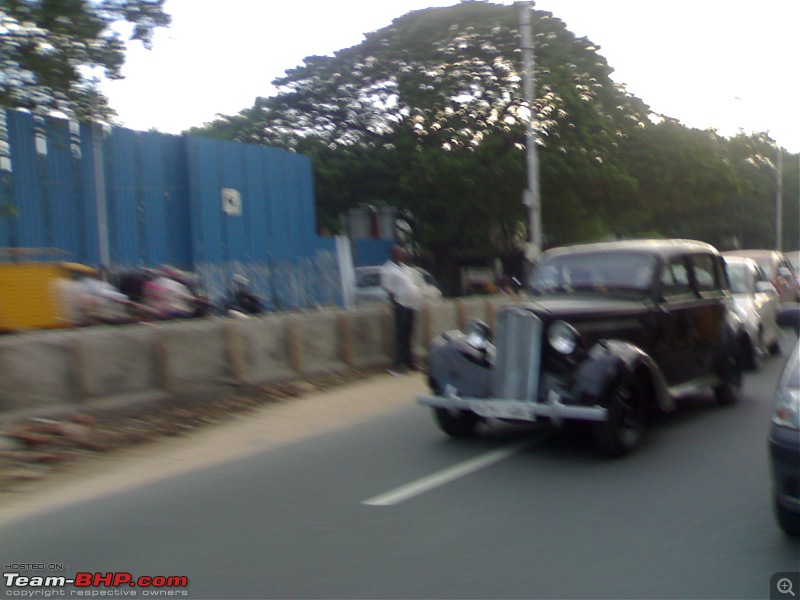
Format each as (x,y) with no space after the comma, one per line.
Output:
(94,585)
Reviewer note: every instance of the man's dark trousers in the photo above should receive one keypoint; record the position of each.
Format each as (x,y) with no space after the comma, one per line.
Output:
(404,327)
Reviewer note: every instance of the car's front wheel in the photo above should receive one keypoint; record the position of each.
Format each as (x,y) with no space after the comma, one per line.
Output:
(457,424)
(624,429)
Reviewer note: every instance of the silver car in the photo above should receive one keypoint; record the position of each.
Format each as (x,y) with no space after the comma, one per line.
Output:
(778,269)
(784,435)
(756,303)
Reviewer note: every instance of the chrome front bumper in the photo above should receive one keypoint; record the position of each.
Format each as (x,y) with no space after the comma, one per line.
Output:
(517,410)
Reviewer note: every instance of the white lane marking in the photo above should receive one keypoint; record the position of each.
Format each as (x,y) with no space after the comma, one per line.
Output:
(420,486)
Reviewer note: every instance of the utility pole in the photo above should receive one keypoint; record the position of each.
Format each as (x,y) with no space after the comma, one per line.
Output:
(532,198)
(779,200)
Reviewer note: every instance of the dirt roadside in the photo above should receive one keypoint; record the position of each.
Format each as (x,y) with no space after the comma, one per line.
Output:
(47,463)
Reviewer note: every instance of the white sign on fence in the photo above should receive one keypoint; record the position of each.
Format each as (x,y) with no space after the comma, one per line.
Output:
(231,202)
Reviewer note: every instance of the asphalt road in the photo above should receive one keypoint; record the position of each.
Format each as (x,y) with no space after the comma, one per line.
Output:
(391,508)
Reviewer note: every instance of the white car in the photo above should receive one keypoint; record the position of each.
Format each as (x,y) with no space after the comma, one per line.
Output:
(777,267)
(756,303)
(368,285)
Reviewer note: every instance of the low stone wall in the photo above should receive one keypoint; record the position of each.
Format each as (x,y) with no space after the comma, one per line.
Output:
(51,371)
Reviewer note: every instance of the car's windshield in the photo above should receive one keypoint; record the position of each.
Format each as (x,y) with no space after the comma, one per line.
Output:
(594,272)
(739,277)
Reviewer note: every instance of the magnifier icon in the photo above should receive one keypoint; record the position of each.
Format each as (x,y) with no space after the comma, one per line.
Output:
(785,586)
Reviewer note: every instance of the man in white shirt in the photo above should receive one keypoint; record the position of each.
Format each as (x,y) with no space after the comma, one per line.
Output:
(400,282)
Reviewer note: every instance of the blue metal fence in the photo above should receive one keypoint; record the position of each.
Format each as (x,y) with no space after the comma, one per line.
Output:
(121,198)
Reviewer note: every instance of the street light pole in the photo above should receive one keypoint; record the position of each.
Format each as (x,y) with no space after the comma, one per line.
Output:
(532,197)
(778,189)
(779,200)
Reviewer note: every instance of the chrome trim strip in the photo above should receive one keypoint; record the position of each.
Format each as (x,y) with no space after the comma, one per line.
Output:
(516,409)
(693,387)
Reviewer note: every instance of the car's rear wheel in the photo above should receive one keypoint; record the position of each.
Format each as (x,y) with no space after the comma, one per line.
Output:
(787,520)
(728,391)
(627,419)
(456,424)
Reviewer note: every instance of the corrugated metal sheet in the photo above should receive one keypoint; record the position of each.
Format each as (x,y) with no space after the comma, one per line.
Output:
(278,217)
(162,192)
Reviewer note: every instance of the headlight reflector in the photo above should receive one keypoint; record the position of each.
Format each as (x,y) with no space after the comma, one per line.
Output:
(562,337)
(786,412)
(477,334)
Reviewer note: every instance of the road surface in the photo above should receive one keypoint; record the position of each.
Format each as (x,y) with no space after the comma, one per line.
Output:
(354,493)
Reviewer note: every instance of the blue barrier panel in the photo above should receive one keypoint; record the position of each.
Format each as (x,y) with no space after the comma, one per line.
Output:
(28,226)
(258,223)
(89,228)
(163,204)
(65,189)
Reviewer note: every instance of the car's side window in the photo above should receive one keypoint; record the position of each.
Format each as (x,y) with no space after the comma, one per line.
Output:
(785,264)
(723,276)
(705,273)
(675,281)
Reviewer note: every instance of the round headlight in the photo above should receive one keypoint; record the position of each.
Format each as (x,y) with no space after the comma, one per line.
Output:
(477,334)
(562,337)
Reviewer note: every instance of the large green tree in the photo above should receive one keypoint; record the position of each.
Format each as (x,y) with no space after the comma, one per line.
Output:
(428,115)
(686,180)
(53,52)
(751,214)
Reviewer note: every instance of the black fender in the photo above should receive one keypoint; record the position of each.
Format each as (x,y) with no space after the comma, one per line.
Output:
(733,338)
(453,362)
(610,361)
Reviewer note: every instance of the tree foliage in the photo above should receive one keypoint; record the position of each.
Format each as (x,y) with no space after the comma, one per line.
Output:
(431,111)
(749,216)
(428,115)
(52,52)
(684,176)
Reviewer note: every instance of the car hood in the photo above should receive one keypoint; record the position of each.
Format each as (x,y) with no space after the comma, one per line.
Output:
(588,306)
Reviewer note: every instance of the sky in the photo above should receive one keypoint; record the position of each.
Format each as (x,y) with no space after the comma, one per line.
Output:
(725,64)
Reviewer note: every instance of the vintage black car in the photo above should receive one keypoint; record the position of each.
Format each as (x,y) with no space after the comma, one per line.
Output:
(614,330)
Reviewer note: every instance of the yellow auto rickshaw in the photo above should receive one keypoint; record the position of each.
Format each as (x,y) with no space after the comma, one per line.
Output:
(28,289)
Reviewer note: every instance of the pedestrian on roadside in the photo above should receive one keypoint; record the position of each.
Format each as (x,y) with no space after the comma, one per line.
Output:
(166,297)
(242,299)
(400,282)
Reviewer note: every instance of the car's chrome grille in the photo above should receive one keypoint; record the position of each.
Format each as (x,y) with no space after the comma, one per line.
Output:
(515,375)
